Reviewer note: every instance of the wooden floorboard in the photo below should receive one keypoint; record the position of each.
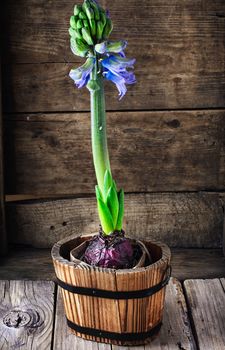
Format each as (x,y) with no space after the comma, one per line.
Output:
(26,314)
(206,301)
(30,263)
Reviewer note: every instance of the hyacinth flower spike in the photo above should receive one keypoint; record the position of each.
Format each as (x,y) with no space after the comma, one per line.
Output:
(90,28)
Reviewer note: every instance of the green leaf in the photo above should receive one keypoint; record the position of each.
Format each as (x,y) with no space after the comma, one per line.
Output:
(113,203)
(98,192)
(107,182)
(105,217)
(119,224)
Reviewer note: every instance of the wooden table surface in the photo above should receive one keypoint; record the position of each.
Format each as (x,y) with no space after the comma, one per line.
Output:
(32,317)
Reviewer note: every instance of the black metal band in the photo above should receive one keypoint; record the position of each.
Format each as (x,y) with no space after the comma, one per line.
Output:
(113,335)
(101,293)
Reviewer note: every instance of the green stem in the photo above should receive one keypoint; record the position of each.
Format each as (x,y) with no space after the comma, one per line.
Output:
(98,128)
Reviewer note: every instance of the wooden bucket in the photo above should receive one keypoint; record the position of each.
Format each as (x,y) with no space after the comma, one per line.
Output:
(122,307)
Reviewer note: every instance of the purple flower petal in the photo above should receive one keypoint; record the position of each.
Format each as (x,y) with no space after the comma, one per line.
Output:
(118,80)
(115,69)
(81,75)
(116,63)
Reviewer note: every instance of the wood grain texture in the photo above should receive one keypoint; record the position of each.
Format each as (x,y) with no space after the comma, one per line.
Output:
(32,263)
(47,87)
(171,33)
(176,331)
(178,219)
(179,48)
(64,339)
(26,314)
(133,315)
(3,237)
(206,300)
(149,151)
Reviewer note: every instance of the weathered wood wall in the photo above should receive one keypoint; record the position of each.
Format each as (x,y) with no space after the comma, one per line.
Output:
(3,237)
(166,135)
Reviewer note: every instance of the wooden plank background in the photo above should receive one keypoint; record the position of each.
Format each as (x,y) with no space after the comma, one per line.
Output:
(179,219)
(150,151)
(166,135)
(3,238)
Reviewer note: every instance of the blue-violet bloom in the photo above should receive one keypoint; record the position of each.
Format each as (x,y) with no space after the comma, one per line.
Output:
(81,75)
(115,69)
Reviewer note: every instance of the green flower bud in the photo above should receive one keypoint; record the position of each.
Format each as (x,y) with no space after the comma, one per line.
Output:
(103,17)
(100,28)
(96,10)
(82,15)
(79,47)
(90,13)
(75,33)
(79,24)
(108,28)
(88,10)
(77,9)
(87,36)
(85,22)
(93,27)
(72,22)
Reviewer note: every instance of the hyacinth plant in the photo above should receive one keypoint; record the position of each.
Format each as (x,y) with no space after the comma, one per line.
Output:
(90,28)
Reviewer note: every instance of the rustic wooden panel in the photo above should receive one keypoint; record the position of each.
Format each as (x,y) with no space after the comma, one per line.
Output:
(171,32)
(3,239)
(150,151)
(47,87)
(179,48)
(206,300)
(175,330)
(197,263)
(26,314)
(179,219)
(32,263)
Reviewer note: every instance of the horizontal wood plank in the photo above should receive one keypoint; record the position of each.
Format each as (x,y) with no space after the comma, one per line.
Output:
(165,32)
(179,219)
(179,48)
(47,87)
(26,314)
(206,300)
(149,151)
(31,263)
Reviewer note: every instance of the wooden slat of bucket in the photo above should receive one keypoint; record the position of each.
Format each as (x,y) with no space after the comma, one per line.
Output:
(176,330)
(142,279)
(116,315)
(64,339)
